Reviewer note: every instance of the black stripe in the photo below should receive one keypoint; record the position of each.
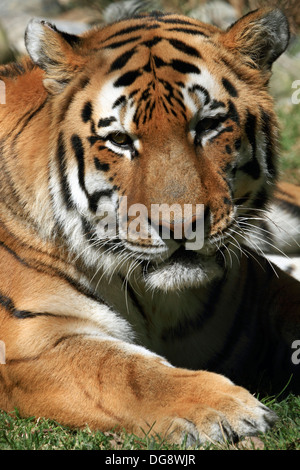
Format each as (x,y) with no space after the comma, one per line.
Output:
(96,196)
(44,269)
(20,360)
(261,199)
(94,138)
(66,337)
(238,143)
(152,109)
(9,306)
(14,254)
(62,170)
(184,67)
(128,78)
(171,95)
(228,149)
(229,87)
(152,42)
(193,32)
(79,153)
(252,167)
(116,45)
(148,67)
(68,99)
(270,153)
(127,30)
(122,60)
(88,230)
(105,122)
(250,127)
(137,114)
(86,112)
(159,62)
(72,39)
(83,82)
(133,93)
(77,86)
(232,113)
(99,165)
(202,90)
(183,47)
(176,21)
(163,103)
(217,104)
(222,131)
(20,123)
(119,101)
(238,74)
(31,116)
(152,26)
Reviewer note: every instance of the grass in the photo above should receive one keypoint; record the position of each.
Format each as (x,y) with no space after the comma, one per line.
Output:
(41,434)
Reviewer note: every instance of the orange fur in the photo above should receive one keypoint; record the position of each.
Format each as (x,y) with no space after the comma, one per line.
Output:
(75,351)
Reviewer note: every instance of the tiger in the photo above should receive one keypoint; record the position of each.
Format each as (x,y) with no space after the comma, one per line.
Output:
(277,233)
(114,315)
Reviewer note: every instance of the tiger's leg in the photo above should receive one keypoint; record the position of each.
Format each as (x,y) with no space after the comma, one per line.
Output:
(81,378)
(72,358)
(59,367)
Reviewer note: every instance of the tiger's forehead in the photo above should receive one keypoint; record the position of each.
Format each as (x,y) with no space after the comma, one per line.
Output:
(160,62)
(156,23)
(162,37)
(181,96)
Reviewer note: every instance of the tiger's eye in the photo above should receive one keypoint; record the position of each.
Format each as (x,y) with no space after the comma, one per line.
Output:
(120,138)
(204,126)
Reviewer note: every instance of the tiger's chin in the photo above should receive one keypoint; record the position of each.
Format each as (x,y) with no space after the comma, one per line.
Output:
(183,270)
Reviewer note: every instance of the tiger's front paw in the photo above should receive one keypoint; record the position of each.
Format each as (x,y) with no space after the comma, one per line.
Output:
(225,412)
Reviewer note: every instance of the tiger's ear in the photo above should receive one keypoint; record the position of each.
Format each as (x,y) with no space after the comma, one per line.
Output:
(260,37)
(55,52)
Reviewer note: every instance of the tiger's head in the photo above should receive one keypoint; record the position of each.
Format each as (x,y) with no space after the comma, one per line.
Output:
(154,111)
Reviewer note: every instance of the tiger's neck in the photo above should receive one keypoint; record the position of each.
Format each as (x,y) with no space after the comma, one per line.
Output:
(25,124)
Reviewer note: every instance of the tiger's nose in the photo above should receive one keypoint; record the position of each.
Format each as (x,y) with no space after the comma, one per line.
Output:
(182,229)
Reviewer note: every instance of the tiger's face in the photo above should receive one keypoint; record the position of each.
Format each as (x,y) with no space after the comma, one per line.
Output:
(159,112)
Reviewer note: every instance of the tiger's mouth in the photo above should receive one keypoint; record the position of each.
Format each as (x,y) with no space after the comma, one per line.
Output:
(169,264)
(186,268)
(183,269)
(182,255)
